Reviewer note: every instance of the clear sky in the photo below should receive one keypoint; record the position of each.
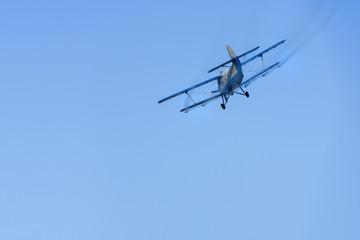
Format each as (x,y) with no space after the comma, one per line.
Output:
(86,152)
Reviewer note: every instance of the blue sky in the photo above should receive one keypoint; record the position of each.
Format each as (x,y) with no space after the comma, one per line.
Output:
(87,153)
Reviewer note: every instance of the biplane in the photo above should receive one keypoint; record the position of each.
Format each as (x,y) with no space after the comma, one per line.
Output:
(231,80)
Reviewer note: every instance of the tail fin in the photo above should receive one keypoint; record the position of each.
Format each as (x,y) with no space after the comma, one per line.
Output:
(231,52)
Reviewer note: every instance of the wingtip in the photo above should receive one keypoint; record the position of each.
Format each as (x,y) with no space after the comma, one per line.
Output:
(184,110)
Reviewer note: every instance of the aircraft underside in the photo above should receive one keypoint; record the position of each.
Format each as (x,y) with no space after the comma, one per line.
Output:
(231,81)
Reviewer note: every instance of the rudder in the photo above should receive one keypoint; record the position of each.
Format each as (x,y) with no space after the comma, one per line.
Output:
(231,52)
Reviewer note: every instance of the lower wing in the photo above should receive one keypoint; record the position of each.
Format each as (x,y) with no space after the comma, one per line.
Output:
(260,74)
(201,103)
(190,88)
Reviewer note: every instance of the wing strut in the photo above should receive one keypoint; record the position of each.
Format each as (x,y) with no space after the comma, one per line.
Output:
(190,88)
(201,103)
(190,97)
(263,62)
(260,74)
(262,53)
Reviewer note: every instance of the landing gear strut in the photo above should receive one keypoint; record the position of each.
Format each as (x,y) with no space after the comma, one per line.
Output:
(244,93)
(223,100)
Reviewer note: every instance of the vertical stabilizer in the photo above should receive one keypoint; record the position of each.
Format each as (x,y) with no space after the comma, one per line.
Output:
(231,52)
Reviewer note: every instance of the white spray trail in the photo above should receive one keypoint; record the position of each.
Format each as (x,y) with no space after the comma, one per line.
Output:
(314,33)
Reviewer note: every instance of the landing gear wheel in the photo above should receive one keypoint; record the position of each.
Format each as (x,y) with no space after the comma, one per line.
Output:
(247,94)
(223,106)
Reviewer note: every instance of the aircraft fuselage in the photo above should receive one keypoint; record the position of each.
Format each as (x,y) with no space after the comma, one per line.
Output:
(231,79)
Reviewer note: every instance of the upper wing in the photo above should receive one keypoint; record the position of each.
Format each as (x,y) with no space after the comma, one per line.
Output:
(260,74)
(201,103)
(265,51)
(190,88)
(242,55)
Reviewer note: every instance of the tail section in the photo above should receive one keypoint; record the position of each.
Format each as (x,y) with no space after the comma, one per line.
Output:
(231,52)
(236,63)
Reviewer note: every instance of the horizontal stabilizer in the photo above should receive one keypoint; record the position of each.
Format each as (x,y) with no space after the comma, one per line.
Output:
(231,60)
(260,74)
(190,88)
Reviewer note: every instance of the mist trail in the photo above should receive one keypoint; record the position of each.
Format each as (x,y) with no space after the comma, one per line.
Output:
(323,24)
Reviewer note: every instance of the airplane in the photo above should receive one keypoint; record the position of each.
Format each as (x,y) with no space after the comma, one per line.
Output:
(231,80)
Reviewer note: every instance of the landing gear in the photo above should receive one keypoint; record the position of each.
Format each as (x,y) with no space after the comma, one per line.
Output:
(244,93)
(223,100)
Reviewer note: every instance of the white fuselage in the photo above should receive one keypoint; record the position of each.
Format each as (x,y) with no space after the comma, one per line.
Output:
(231,79)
